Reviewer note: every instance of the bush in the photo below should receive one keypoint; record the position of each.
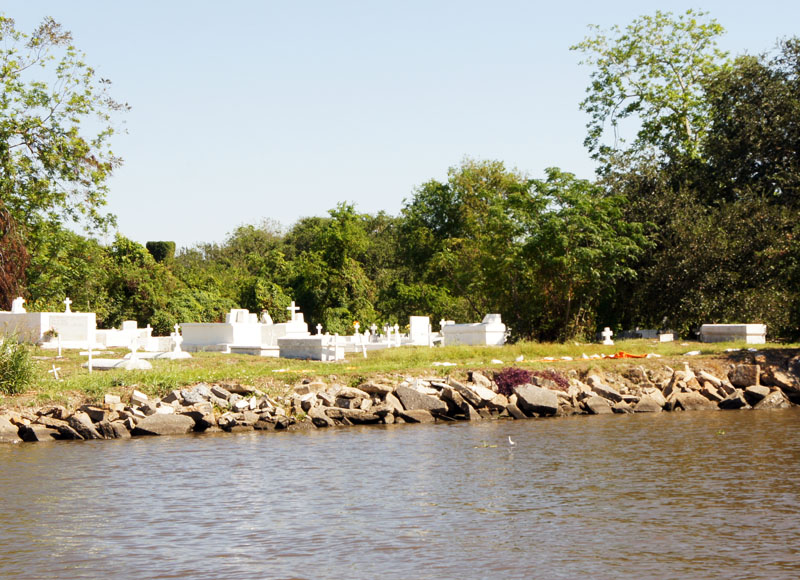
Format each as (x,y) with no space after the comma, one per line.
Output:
(510,377)
(16,366)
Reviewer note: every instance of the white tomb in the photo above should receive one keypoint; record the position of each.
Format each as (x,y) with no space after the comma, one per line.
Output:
(50,330)
(748,333)
(420,332)
(243,333)
(124,336)
(320,347)
(491,331)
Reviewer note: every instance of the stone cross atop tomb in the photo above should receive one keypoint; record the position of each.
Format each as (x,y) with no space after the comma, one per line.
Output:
(67,302)
(294,310)
(17,305)
(607,334)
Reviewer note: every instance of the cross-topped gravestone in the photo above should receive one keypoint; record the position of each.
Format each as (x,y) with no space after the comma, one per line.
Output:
(319,329)
(67,302)
(607,334)
(294,310)
(356,325)
(17,305)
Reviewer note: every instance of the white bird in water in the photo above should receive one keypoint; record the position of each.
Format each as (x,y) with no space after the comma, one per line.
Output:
(510,442)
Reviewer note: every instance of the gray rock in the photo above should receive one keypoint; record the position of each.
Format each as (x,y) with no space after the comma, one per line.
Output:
(120,430)
(355,416)
(417,416)
(480,379)
(533,400)
(734,401)
(172,397)
(376,388)
(63,428)
(109,399)
(602,389)
(705,376)
(598,405)
(788,383)
(54,411)
(138,398)
(221,393)
(9,433)
(319,418)
(351,393)
(96,414)
(393,403)
(82,423)
(35,433)
(164,425)
(475,394)
(203,390)
(744,375)
(775,400)
(755,393)
(515,411)
(622,407)
(710,392)
(693,401)
(414,400)
(191,397)
(649,404)
(456,403)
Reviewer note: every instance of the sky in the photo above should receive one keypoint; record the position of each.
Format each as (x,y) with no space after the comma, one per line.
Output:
(249,110)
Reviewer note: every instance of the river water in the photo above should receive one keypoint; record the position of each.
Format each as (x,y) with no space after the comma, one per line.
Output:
(679,495)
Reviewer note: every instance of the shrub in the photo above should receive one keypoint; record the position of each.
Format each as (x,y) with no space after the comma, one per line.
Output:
(555,376)
(510,377)
(16,366)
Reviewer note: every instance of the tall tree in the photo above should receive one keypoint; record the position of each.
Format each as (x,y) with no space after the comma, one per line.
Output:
(55,126)
(652,73)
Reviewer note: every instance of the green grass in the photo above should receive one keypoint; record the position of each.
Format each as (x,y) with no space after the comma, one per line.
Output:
(273,375)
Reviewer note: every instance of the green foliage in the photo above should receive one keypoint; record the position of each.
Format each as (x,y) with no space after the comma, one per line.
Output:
(55,126)
(161,251)
(652,71)
(16,367)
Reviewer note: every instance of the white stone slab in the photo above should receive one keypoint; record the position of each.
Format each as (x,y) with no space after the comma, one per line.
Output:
(107,364)
(748,333)
(318,347)
(490,332)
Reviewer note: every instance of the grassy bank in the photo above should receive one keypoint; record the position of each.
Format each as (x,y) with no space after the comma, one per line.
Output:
(76,384)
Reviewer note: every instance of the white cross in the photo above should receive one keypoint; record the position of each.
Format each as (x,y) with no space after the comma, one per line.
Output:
(319,329)
(356,325)
(293,309)
(606,334)
(177,328)
(55,370)
(67,302)
(89,352)
(373,328)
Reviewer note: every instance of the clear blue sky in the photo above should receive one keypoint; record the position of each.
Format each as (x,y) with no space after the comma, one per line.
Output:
(245,110)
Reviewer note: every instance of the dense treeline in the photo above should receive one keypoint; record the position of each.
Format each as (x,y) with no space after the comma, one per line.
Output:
(695,220)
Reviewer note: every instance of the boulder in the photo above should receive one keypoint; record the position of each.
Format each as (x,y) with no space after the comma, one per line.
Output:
(355,416)
(351,393)
(9,433)
(788,383)
(734,401)
(600,388)
(414,400)
(34,433)
(480,379)
(417,416)
(138,398)
(755,393)
(376,389)
(220,393)
(82,423)
(475,394)
(693,401)
(515,411)
(63,428)
(622,407)
(744,375)
(775,400)
(649,404)
(597,405)
(159,424)
(533,400)
(708,377)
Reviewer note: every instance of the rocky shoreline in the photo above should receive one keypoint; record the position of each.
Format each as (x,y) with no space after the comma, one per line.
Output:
(386,400)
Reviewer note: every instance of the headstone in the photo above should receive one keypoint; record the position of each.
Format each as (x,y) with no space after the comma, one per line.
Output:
(319,329)
(67,302)
(17,305)
(607,334)
(293,310)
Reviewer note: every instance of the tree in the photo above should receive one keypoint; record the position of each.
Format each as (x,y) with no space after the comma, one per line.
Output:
(55,126)
(653,72)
